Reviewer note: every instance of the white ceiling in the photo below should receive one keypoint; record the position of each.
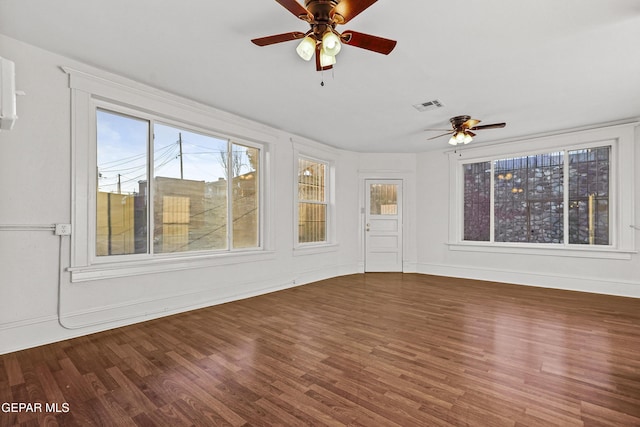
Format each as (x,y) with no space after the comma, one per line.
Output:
(541,66)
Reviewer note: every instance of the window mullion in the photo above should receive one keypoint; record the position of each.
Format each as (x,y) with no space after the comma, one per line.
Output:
(230,176)
(491,203)
(313,220)
(151,189)
(565,198)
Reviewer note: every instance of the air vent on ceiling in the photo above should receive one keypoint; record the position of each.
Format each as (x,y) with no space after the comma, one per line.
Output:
(429,105)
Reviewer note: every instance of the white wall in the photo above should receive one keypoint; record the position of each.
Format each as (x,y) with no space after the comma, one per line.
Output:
(35,172)
(591,274)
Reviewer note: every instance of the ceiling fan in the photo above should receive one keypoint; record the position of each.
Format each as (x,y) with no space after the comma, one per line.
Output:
(322,40)
(462,127)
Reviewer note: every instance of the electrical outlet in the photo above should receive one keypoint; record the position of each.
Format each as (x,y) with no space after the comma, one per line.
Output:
(63,230)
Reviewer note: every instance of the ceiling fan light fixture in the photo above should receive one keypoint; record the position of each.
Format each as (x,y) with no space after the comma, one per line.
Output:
(463,127)
(331,43)
(460,137)
(326,60)
(306,48)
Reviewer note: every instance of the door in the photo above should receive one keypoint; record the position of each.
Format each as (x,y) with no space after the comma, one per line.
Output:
(383,225)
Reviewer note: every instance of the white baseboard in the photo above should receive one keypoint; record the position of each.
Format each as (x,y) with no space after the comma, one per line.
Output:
(410,267)
(540,279)
(28,333)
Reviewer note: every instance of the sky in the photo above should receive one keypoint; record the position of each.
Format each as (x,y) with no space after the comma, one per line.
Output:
(122,153)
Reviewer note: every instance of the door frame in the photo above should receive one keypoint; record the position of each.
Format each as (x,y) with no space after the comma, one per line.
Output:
(407,189)
(372,233)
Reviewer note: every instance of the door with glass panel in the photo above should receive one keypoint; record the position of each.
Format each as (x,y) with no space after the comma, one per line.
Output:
(383,225)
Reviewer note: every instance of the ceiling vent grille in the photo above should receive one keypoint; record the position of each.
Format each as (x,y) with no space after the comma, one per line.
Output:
(429,105)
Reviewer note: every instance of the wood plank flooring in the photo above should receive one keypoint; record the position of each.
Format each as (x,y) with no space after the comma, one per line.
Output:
(369,350)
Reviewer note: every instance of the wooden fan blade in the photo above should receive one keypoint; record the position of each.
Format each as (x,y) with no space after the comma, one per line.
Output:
(471,134)
(437,130)
(346,10)
(470,123)
(297,9)
(434,137)
(278,38)
(491,126)
(369,42)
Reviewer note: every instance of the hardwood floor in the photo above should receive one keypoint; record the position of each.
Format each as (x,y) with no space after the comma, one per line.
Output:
(364,350)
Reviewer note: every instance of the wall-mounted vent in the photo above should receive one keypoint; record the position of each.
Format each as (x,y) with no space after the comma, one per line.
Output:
(429,105)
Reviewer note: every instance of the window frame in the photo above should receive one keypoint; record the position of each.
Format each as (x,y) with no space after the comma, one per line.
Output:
(310,153)
(151,189)
(621,192)
(121,96)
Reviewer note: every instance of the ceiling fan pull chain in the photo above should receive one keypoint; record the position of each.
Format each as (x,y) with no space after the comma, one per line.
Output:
(333,76)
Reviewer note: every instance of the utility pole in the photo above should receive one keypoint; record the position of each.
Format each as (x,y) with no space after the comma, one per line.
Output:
(180,142)
(119,186)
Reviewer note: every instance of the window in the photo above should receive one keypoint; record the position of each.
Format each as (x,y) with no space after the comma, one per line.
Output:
(573,196)
(528,198)
(589,213)
(477,201)
(383,199)
(312,201)
(528,193)
(159,184)
(204,192)
(121,198)
(314,206)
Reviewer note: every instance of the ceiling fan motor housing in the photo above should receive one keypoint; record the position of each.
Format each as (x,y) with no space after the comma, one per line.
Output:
(323,19)
(321,9)
(458,121)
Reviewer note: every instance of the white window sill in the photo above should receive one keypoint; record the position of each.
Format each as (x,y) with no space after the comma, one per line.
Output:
(575,251)
(315,249)
(126,268)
